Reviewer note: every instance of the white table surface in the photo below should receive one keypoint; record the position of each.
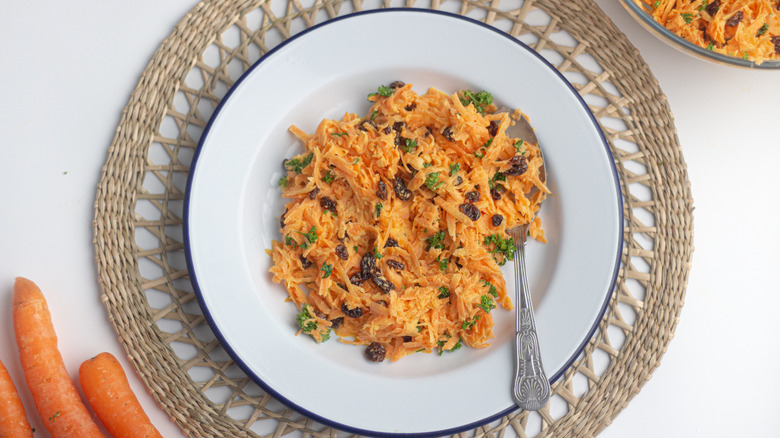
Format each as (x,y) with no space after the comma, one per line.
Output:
(68,69)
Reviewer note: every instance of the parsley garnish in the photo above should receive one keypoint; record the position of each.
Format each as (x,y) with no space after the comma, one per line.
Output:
(454,347)
(357,160)
(383,91)
(744,55)
(378,208)
(687,17)
(328,177)
(376,253)
(492,291)
(443,292)
(506,247)
(486,303)
(443,263)
(283,181)
(479,100)
(519,144)
(454,168)
(297,164)
(479,154)
(704,5)
(432,181)
(710,46)
(339,134)
(327,268)
(289,241)
(656,4)
(306,320)
(487,143)
(409,145)
(311,236)
(373,115)
(497,177)
(427,165)
(763,29)
(436,241)
(354,247)
(467,324)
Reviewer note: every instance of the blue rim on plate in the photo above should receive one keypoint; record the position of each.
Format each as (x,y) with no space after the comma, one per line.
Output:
(648,22)
(292,404)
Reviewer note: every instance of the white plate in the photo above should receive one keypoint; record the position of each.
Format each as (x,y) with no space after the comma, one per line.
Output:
(234,203)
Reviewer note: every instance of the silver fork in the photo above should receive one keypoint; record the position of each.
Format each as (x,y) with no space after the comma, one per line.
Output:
(531,389)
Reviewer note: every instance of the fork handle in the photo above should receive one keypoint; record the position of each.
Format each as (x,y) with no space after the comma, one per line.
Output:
(531,390)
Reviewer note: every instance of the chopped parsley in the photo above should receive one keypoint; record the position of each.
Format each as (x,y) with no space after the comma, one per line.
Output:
(376,253)
(687,17)
(454,168)
(297,164)
(373,115)
(443,292)
(309,325)
(355,247)
(703,5)
(492,289)
(744,56)
(479,154)
(497,177)
(486,303)
(454,347)
(518,145)
(289,241)
(383,91)
(357,160)
(378,208)
(487,143)
(443,263)
(763,29)
(467,324)
(409,145)
(432,181)
(339,134)
(711,46)
(327,268)
(480,100)
(436,241)
(311,236)
(656,4)
(283,181)
(505,247)
(328,177)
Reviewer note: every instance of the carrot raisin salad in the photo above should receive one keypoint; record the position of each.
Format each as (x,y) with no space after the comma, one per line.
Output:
(395,229)
(748,29)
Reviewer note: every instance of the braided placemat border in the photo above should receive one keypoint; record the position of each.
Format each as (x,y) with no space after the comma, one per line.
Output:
(138,210)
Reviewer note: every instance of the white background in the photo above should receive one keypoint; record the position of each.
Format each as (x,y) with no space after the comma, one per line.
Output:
(68,69)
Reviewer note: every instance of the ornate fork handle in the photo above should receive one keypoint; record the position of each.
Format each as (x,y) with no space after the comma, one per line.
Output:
(531,390)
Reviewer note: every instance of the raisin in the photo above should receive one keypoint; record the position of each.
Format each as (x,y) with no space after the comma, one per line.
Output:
(319,314)
(313,193)
(400,189)
(305,263)
(396,84)
(382,283)
(335,323)
(398,266)
(382,303)
(495,194)
(776,41)
(735,19)
(497,219)
(387,130)
(398,126)
(391,243)
(399,140)
(328,204)
(473,196)
(493,128)
(447,133)
(519,166)
(407,339)
(352,313)
(375,352)
(411,106)
(458,180)
(470,210)
(342,252)
(357,278)
(713,7)
(281,219)
(381,190)
(368,266)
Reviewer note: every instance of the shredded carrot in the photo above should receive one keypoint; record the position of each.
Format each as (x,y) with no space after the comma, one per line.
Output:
(108,392)
(13,420)
(396,224)
(56,399)
(748,29)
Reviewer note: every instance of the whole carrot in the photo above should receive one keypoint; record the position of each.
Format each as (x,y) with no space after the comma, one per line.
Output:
(13,420)
(109,393)
(56,399)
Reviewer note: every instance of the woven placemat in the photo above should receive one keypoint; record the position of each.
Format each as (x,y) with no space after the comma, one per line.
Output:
(138,211)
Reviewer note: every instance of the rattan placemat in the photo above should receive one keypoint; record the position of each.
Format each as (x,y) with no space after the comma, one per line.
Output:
(138,211)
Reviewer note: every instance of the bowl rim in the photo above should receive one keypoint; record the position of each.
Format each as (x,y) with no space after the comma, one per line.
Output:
(688,47)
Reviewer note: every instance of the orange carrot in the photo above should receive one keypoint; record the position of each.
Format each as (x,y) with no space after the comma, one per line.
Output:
(56,399)
(13,420)
(109,393)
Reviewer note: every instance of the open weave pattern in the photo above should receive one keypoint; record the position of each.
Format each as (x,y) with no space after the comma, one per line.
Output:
(138,211)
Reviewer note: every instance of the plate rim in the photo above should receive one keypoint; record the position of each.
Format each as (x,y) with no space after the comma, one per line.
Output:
(292,404)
